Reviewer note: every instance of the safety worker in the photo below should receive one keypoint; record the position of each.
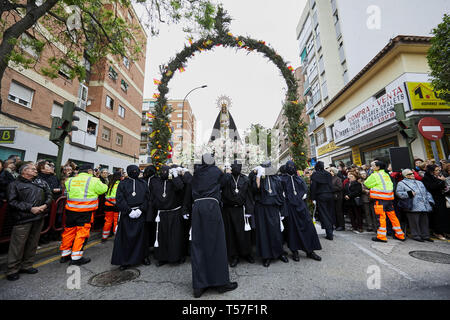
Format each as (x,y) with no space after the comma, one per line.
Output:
(82,201)
(382,192)
(111,211)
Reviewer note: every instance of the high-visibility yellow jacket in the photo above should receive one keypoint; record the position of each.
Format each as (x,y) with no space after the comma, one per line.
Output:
(83,191)
(110,198)
(380,185)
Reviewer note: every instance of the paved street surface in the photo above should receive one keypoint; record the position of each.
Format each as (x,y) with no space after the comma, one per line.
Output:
(352,268)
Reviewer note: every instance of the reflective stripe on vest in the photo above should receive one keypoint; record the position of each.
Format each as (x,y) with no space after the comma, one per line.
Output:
(84,204)
(109,199)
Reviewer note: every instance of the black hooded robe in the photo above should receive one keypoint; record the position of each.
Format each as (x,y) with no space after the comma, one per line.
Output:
(234,207)
(269,208)
(131,241)
(170,245)
(322,192)
(300,231)
(208,244)
(187,210)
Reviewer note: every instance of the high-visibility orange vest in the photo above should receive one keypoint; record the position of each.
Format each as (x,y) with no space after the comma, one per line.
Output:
(83,191)
(110,199)
(380,185)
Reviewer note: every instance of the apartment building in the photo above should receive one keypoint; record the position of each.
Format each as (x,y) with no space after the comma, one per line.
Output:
(110,98)
(338,38)
(182,135)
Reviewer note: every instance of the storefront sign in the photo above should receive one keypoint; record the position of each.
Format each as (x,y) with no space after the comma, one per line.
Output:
(327,148)
(356,156)
(422,96)
(371,113)
(7,135)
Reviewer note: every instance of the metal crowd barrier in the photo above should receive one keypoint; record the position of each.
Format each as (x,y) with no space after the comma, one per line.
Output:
(55,220)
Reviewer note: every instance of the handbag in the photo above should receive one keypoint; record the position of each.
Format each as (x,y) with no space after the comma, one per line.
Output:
(405,204)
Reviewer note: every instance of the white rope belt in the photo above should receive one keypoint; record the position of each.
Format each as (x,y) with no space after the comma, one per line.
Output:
(157,219)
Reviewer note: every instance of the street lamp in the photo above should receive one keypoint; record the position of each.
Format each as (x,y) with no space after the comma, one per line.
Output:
(182,116)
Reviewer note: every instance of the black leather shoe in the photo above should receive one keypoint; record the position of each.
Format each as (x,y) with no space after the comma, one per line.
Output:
(329,237)
(418,239)
(266,263)
(340,229)
(160,263)
(284,259)
(378,240)
(402,240)
(104,240)
(250,259)
(182,260)
(198,292)
(13,277)
(146,261)
(124,267)
(314,256)
(428,240)
(295,256)
(228,287)
(81,261)
(234,262)
(64,259)
(29,271)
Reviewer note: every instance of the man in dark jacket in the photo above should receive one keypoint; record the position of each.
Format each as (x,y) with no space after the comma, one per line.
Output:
(29,199)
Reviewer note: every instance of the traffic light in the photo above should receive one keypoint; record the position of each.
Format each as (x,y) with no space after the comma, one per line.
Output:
(407,126)
(62,126)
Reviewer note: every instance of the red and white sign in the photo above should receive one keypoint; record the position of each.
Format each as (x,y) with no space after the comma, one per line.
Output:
(431,128)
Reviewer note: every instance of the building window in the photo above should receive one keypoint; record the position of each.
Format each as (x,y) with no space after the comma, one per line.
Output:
(20,94)
(26,45)
(109,102)
(57,109)
(119,139)
(321,136)
(123,85)
(106,134)
(126,62)
(179,115)
(178,125)
(121,111)
(91,128)
(65,71)
(112,73)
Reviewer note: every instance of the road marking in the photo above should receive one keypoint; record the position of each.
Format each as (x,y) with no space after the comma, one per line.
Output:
(379,259)
(42,263)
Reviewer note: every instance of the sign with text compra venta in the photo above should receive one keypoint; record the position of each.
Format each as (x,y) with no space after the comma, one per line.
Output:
(370,114)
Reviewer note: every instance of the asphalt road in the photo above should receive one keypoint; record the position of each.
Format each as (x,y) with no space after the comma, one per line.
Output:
(352,268)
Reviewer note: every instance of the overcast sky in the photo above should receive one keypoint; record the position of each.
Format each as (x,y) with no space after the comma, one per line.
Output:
(252,81)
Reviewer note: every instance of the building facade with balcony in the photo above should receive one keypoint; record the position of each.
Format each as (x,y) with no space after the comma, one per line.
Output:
(183,125)
(110,98)
(337,38)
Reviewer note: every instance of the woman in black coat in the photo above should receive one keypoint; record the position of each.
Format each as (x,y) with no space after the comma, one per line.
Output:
(434,181)
(352,191)
(322,196)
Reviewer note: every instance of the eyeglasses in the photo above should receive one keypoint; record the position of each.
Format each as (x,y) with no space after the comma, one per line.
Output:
(410,174)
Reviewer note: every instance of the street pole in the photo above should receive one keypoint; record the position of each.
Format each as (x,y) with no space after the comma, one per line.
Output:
(182,116)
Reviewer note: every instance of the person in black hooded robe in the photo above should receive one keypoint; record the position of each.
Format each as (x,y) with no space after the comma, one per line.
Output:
(208,244)
(148,175)
(300,231)
(236,202)
(187,208)
(131,241)
(166,194)
(322,196)
(268,212)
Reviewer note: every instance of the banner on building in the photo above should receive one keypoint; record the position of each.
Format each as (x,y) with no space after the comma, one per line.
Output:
(327,148)
(422,96)
(371,113)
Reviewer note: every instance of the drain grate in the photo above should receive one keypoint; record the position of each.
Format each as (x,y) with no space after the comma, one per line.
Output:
(113,277)
(431,256)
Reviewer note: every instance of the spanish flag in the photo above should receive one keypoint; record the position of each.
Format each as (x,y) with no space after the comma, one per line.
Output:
(181,69)
(290,68)
(155,95)
(156,81)
(190,40)
(150,115)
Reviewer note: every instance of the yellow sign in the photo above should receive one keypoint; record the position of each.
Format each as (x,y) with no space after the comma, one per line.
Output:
(356,156)
(429,150)
(422,96)
(327,148)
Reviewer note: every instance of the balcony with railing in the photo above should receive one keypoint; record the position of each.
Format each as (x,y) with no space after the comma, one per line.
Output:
(333,6)
(314,124)
(318,42)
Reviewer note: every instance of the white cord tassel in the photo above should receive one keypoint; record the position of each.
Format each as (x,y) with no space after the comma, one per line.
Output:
(190,234)
(247,225)
(293,186)
(156,245)
(281,224)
